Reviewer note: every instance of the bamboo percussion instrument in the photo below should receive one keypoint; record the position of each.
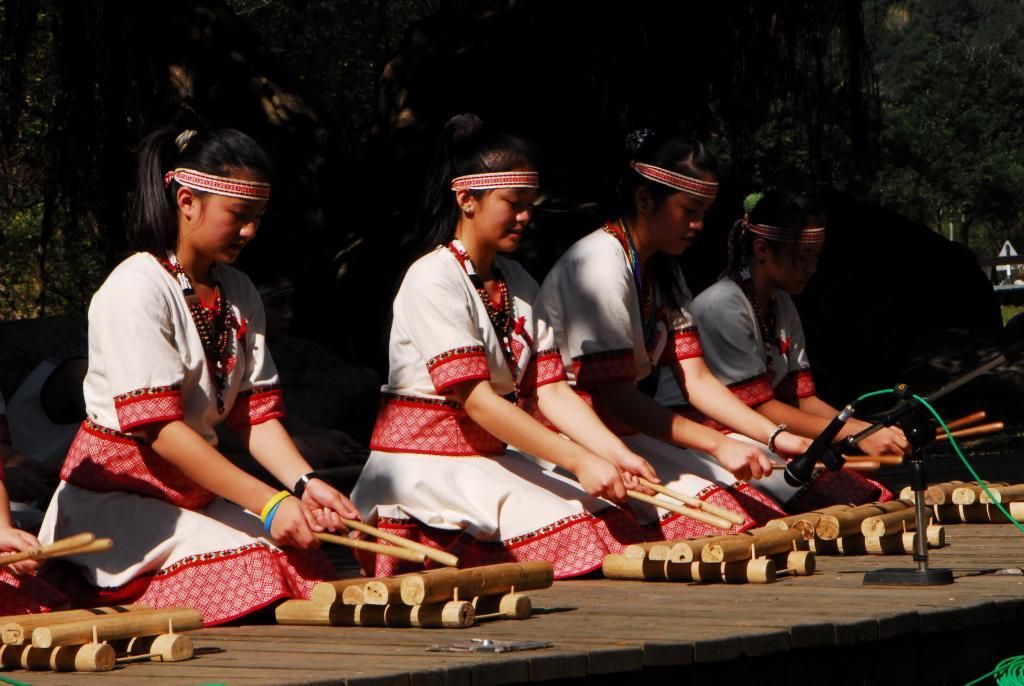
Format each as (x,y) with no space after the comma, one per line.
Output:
(16,629)
(1017,511)
(751,545)
(711,508)
(936,494)
(451,615)
(968,493)
(980,430)
(656,550)
(90,657)
(880,459)
(327,592)
(382,591)
(160,648)
(810,518)
(935,534)
(354,595)
(891,544)
(442,585)
(43,551)
(967,420)
(797,562)
(888,523)
(848,522)
(1003,494)
(692,513)
(438,556)
(978,513)
(761,570)
(681,550)
(378,548)
(111,627)
(506,606)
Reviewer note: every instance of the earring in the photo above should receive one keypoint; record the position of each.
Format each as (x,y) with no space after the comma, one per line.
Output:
(468,209)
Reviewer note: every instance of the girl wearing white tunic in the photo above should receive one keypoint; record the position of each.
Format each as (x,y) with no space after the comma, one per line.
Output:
(469,363)
(617,303)
(176,347)
(754,342)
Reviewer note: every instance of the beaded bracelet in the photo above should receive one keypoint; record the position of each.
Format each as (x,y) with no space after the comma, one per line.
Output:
(775,434)
(272,504)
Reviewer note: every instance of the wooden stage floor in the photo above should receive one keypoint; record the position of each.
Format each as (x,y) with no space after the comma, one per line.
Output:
(821,629)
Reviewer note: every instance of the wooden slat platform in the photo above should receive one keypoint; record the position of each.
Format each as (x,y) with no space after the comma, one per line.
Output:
(821,629)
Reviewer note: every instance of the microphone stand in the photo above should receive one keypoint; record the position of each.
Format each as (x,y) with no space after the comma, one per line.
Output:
(912,416)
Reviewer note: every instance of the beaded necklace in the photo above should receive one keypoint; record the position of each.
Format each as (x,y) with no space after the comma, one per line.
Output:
(502,314)
(215,325)
(644,282)
(766,321)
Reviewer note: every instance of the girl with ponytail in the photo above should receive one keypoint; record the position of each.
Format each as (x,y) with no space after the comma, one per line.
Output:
(754,342)
(470,366)
(176,347)
(618,303)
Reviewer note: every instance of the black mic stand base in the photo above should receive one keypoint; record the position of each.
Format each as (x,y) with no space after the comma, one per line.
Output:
(922,576)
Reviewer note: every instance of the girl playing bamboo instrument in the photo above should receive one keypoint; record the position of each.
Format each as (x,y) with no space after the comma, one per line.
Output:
(754,342)
(617,302)
(467,360)
(20,591)
(176,346)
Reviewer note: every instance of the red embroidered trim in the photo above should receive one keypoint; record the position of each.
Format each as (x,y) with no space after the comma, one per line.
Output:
(754,391)
(148,405)
(456,365)
(756,504)
(406,424)
(683,345)
(26,594)
(549,366)
(255,406)
(594,370)
(104,460)
(839,488)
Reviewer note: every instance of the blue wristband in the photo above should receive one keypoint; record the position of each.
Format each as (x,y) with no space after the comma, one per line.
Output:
(270,516)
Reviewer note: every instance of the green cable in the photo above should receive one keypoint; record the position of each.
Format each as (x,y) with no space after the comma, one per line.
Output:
(15,682)
(1009,672)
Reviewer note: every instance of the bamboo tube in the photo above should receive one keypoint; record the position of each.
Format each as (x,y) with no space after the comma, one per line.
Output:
(841,524)
(90,657)
(880,459)
(42,551)
(967,420)
(110,627)
(382,592)
(888,523)
(758,571)
(17,629)
(423,589)
(354,595)
(378,548)
(161,648)
(935,535)
(1016,510)
(980,430)
(452,615)
(1003,494)
(439,556)
(327,592)
(936,494)
(968,494)
(506,605)
(808,517)
(633,568)
(890,544)
(656,550)
(692,513)
(10,655)
(860,466)
(844,545)
(746,546)
(710,508)
(796,562)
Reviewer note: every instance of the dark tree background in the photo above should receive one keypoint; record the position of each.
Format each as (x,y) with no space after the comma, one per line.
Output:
(911,105)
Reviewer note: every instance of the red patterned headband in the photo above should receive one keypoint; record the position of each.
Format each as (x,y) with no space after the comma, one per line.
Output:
(486,182)
(687,184)
(811,234)
(219,185)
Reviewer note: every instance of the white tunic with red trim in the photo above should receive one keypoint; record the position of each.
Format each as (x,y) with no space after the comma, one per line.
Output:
(735,352)
(176,542)
(590,299)
(436,476)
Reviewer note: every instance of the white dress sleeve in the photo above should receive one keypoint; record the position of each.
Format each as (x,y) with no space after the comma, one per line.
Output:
(732,346)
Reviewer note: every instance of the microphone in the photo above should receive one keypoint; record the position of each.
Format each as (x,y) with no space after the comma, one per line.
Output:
(799,470)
